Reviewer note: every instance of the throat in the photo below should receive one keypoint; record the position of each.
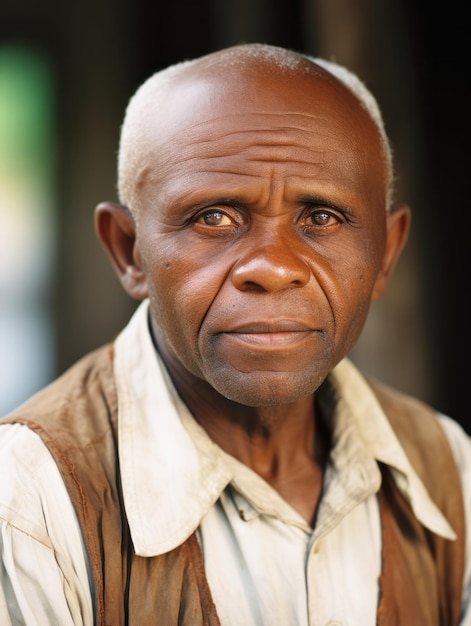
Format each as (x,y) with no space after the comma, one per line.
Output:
(290,454)
(286,445)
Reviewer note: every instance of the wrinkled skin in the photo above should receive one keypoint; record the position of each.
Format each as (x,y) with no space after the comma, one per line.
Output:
(262,238)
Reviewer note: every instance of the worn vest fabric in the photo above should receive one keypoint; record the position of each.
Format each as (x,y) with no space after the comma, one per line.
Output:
(76,417)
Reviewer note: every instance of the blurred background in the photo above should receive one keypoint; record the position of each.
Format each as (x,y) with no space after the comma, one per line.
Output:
(67,71)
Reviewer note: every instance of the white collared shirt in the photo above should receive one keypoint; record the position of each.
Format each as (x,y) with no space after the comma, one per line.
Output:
(265,565)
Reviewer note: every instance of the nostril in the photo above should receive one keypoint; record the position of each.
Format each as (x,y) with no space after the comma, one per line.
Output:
(271,269)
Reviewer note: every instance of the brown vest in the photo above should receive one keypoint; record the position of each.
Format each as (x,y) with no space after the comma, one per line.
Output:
(76,417)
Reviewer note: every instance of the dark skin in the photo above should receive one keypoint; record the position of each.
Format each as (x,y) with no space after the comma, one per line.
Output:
(262,237)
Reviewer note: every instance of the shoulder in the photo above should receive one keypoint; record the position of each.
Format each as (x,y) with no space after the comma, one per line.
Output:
(93,370)
(75,403)
(43,568)
(433,443)
(415,422)
(460,443)
(29,482)
(49,443)
(401,404)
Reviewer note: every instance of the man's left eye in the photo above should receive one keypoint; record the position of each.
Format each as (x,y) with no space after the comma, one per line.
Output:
(321,218)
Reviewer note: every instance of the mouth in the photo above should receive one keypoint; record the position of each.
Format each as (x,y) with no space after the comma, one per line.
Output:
(271,335)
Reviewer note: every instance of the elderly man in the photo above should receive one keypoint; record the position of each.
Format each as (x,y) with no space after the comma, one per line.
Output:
(222,461)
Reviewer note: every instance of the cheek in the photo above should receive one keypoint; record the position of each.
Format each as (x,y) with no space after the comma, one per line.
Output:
(348,283)
(352,266)
(181,290)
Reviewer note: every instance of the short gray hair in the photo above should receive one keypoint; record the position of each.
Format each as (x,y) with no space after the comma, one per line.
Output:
(139,115)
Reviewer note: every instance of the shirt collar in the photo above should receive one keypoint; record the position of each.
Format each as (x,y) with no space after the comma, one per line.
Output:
(167,488)
(379,441)
(166,499)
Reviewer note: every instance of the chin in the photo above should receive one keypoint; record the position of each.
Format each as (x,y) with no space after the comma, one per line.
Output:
(257,389)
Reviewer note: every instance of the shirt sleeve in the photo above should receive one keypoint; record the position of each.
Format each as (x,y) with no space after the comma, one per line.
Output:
(44,575)
(460,442)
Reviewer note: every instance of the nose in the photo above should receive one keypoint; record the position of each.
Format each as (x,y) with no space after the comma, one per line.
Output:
(271,264)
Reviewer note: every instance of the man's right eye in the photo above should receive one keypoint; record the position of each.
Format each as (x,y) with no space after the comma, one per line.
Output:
(214,217)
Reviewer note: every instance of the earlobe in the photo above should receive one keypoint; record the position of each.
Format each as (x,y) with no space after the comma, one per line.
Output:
(398,225)
(116,230)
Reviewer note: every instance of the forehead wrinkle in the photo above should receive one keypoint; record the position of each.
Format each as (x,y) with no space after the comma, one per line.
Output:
(284,154)
(197,188)
(281,137)
(285,141)
(214,130)
(259,116)
(265,147)
(159,171)
(191,166)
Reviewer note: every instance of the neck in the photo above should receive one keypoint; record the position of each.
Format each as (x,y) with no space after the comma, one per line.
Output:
(287,445)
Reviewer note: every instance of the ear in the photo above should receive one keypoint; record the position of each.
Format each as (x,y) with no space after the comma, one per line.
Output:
(397,226)
(116,230)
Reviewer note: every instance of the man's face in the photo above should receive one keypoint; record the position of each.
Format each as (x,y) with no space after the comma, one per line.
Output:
(261,231)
